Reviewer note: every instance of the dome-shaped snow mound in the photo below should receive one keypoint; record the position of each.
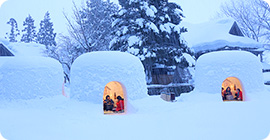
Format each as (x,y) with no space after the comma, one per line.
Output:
(30,77)
(92,71)
(213,68)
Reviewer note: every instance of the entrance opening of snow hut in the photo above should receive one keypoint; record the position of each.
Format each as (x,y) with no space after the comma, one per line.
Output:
(232,89)
(114,98)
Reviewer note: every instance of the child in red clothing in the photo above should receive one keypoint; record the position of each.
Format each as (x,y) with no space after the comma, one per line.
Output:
(120,106)
(239,95)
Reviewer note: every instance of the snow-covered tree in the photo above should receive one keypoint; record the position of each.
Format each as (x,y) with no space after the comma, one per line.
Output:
(89,30)
(45,34)
(92,25)
(29,32)
(253,17)
(150,30)
(66,51)
(14,31)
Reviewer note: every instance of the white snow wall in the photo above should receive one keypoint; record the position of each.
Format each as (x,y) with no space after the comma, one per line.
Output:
(30,77)
(92,71)
(213,68)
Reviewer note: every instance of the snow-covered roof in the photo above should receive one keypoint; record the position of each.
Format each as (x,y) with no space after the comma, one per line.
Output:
(91,72)
(213,68)
(215,34)
(24,49)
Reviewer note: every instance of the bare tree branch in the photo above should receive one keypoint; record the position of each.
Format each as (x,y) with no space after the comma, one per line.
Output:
(253,16)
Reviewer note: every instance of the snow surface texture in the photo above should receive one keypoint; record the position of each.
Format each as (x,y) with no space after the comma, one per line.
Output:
(60,118)
(29,77)
(92,71)
(215,34)
(213,68)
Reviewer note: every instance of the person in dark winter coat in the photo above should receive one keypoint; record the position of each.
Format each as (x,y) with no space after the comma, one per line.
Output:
(228,94)
(120,106)
(108,104)
(222,93)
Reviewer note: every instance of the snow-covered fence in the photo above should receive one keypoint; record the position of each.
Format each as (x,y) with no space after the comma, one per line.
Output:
(177,88)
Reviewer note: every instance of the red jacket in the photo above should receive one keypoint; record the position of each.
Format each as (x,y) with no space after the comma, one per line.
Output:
(241,95)
(120,105)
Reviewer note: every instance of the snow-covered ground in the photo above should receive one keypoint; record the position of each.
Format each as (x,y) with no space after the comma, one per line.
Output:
(58,117)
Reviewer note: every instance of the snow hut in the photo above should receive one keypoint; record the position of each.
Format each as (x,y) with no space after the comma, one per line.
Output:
(29,77)
(219,35)
(28,74)
(217,69)
(98,74)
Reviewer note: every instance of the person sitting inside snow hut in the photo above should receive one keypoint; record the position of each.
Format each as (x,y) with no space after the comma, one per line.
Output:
(120,104)
(238,95)
(222,93)
(108,104)
(228,94)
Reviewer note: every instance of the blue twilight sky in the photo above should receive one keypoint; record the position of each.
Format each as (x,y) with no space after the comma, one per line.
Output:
(195,11)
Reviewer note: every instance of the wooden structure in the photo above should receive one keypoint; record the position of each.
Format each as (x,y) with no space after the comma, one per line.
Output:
(4,51)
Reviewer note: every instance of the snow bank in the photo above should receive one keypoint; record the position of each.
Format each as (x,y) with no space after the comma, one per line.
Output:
(213,68)
(29,77)
(92,71)
(215,34)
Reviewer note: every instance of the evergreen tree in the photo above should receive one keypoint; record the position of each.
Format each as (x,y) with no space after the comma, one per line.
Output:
(14,32)
(45,34)
(151,30)
(29,29)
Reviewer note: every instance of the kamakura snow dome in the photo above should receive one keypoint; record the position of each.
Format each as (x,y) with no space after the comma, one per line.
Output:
(30,77)
(213,68)
(91,72)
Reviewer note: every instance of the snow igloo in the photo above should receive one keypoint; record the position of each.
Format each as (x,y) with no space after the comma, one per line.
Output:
(30,77)
(96,75)
(234,69)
